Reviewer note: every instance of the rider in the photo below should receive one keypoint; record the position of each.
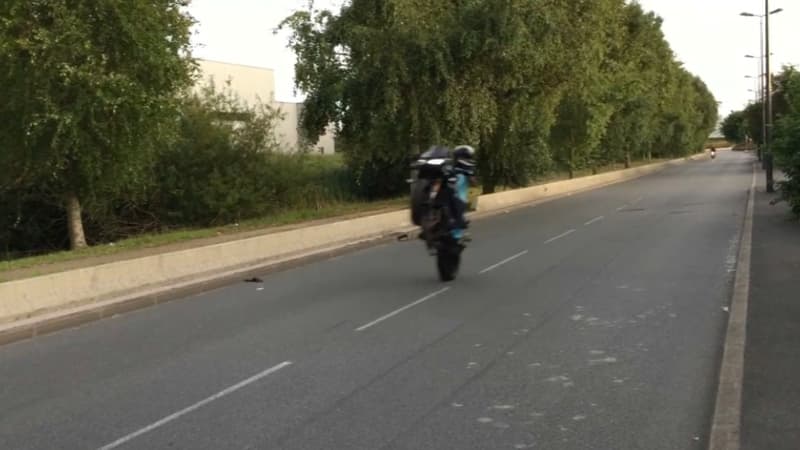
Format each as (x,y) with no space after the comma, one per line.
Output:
(463,172)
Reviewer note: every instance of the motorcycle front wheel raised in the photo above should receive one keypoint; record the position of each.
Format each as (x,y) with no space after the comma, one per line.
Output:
(448,261)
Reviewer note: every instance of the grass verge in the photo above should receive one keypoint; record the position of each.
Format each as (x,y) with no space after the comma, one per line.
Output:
(291,217)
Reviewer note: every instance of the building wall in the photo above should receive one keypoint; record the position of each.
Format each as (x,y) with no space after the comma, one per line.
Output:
(287,130)
(327,142)
(250,83)
(254,83)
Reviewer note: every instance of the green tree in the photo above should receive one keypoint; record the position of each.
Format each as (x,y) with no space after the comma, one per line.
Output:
(636,88)
(786,144)
(376,70)
(754,122)
(90,90)
(734,127)
(532,83)
(596,31)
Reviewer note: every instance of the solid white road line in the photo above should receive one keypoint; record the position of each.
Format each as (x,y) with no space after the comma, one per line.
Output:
(503,262)
(398,311)
(562,235)
(196,406)
(596,219)
(726,425)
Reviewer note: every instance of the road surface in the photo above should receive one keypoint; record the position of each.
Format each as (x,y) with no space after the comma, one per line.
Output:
(591,322)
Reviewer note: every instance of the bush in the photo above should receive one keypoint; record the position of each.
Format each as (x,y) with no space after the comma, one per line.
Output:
(227,167)
(787,138)
(787,149)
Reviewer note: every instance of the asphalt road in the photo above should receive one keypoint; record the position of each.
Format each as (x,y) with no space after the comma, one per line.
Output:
(602,329)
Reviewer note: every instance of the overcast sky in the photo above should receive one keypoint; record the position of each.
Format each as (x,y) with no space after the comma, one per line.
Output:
(709,36)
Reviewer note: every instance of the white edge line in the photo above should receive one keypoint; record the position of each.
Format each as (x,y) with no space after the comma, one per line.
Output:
(398,311)
(596,219)
(726,423)
(503,262)
(195,406)
(562,235)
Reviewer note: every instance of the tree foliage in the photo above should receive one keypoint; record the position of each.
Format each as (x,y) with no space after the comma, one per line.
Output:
(97,120)
(90,90)
(222,166)
(735,127)
(786,133)
(534,84)
(786,143)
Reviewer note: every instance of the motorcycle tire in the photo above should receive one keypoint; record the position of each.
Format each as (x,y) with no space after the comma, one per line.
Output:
(448,261)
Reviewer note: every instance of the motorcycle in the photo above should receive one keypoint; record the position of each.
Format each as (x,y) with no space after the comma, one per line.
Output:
(433,183)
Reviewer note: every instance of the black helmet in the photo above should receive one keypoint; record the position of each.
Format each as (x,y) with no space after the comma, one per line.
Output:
(464,158)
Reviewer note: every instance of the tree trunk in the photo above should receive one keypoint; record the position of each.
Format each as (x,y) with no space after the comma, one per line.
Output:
(77,238)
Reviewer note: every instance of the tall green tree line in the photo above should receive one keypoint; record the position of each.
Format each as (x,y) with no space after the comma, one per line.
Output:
(100,139)
(537,85)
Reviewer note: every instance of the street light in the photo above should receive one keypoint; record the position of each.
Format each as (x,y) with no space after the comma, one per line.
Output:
(747,14)
(766,111)
(760,69)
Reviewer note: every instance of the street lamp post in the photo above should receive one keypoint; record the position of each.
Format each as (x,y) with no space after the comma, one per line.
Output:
(763,105)
(757,87)
(767,104)
(768,74)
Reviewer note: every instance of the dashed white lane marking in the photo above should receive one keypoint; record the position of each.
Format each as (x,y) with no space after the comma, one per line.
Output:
(504,262)
(398,311)
(196,406)
(595,220)
(562,235)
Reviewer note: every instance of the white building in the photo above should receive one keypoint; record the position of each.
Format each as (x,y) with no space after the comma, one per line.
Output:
(252,84)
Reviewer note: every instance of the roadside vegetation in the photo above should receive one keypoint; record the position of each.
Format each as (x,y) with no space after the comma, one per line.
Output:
(741,125)
(103,139)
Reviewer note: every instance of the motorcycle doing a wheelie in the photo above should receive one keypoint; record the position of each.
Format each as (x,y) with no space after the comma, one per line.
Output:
(435,186)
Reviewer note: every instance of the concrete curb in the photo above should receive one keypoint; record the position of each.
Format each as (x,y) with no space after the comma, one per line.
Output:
(726,424)
(46,303)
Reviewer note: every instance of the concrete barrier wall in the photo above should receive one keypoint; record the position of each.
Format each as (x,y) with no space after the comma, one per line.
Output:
(501,200)
(43,294)
(23,298)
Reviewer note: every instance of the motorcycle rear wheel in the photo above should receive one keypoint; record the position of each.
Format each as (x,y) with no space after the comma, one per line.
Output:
(448,261)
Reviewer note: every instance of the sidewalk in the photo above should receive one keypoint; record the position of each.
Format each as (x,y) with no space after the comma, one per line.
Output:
(771,391)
